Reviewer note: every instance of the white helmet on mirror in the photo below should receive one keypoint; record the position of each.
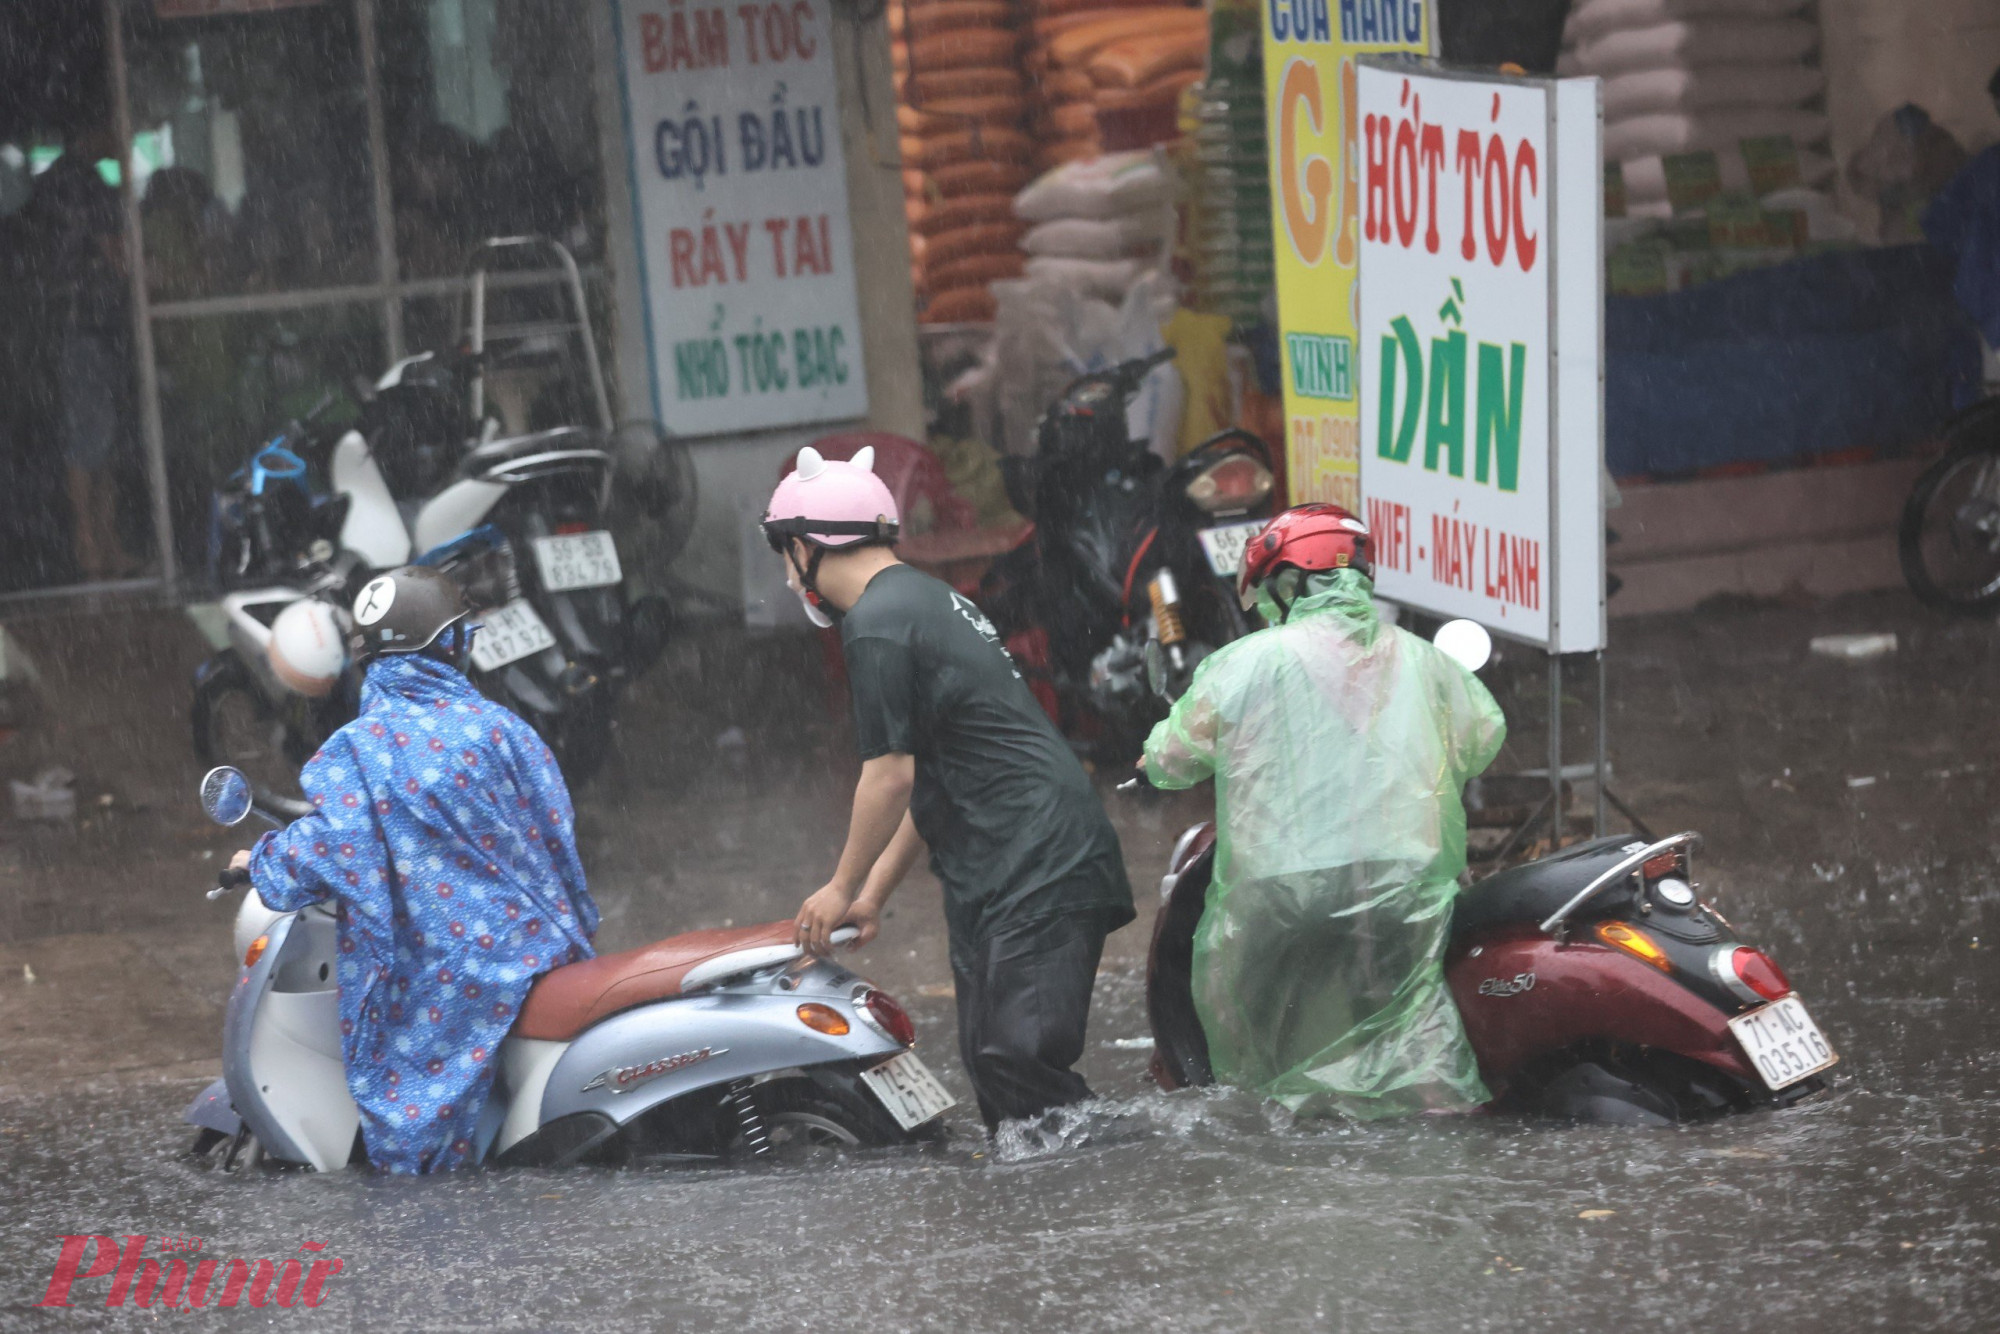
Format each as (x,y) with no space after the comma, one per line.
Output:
(308,648)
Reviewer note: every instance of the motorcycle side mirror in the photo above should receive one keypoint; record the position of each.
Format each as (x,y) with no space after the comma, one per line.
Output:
(1466,642)
(1158,677)
(225,795)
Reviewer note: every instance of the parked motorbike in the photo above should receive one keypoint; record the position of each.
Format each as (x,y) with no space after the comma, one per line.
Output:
(1595,984)
(274,543)
(556,653)
(730,1044)
(1949,538)
(1125,549)
(423,466)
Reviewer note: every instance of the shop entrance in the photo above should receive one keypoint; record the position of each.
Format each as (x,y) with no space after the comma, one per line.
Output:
(215,213)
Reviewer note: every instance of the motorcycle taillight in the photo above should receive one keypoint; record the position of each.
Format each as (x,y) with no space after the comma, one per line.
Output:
(893,1018)
(1759,972)
(1234,482)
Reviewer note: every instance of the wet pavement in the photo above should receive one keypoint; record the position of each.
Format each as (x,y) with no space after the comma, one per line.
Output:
(1849,809)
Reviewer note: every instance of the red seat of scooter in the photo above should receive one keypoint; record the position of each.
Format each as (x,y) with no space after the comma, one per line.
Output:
(565,1001)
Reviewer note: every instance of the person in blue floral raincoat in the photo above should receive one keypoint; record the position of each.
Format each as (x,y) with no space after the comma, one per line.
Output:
(444,831)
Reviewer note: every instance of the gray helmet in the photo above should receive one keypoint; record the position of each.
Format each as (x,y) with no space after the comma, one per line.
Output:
(405,610)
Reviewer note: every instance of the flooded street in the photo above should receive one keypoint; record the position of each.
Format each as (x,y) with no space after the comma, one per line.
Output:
(1849,810)
(475,403)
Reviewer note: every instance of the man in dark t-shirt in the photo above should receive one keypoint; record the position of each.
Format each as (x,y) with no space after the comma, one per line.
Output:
(956,754)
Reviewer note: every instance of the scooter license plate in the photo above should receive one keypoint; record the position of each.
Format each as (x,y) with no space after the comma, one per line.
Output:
(1224,545)
(908,1090)
(507,635)
(1783,1042)
(579,560)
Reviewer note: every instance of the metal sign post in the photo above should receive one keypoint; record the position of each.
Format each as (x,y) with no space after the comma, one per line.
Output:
(1598,770)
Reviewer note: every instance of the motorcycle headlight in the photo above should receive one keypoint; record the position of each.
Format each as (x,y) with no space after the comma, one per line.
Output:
(1234,482)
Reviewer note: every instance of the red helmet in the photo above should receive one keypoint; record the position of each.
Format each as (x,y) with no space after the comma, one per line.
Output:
(1305,537)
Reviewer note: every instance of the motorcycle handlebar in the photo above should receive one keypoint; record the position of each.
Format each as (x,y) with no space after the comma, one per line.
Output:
(1137,369)
(285,806)
(297,426)
(230,877)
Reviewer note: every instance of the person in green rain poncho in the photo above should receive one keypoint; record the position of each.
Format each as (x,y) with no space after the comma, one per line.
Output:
(1338,746)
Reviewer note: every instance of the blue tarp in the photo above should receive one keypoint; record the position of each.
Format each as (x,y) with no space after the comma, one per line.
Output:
(1964,223)
(1859,348)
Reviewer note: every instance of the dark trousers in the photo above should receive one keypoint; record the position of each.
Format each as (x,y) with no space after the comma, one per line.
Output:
(1023,1003)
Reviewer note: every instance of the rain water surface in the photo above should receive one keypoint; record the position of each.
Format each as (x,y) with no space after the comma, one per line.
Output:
(1873,1207)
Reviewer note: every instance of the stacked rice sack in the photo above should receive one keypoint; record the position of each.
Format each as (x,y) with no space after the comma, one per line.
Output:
(1109,66)
(1230,250)
(1682,76)
(1096,224)
(962,108)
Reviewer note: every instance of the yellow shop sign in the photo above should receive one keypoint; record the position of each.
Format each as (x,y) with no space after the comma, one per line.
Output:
(1309,89)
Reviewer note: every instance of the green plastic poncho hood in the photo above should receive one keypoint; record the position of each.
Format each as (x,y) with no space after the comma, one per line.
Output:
(1338,746)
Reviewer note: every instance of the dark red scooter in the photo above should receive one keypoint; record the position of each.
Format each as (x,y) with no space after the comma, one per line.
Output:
(1595,985)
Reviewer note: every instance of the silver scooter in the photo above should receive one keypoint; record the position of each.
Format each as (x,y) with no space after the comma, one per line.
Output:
(716,1045)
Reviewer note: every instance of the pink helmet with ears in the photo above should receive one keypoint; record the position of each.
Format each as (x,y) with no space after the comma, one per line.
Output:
(831,503)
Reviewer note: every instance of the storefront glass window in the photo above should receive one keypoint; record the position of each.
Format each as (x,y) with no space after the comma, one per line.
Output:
(229,383)
(487,108)
(537,374)
(431,323)
(257,190)
(74,506)
(251,151)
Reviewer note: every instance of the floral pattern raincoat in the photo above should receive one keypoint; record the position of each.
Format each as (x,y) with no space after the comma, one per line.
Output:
(444,830)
